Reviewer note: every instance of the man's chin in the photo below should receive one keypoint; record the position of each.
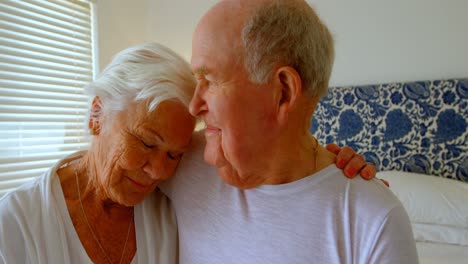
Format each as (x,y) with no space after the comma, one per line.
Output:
(214,155)
(225,169)
(213,159)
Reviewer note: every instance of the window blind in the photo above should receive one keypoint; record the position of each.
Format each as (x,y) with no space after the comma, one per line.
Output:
(46,58)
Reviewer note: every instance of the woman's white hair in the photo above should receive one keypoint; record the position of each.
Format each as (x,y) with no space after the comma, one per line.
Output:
(148,71)
(288,33)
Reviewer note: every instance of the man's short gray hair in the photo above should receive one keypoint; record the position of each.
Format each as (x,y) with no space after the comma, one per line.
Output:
(149,71)
(288,33)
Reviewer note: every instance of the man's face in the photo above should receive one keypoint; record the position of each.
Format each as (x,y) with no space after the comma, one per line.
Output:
(238,113)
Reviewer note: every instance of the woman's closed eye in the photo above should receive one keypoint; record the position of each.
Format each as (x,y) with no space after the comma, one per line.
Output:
(174,156)
(148,146)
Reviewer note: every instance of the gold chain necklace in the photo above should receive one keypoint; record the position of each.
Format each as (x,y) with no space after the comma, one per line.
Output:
(91,230)
(315,154)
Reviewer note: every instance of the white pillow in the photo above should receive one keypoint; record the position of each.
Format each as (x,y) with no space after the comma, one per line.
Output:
(437,207)
(440,234)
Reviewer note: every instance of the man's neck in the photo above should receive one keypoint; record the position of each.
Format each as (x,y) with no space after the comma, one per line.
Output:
(292,161)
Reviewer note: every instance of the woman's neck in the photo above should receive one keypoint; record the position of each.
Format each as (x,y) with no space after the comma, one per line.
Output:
(94,196)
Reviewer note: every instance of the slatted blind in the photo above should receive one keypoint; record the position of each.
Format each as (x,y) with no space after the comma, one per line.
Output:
(46,58)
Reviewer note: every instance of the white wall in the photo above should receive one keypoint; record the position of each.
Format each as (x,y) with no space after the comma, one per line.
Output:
(121,23)
(376,41)
(398,40)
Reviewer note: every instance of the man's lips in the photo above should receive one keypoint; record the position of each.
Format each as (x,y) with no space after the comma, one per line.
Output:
(210,130)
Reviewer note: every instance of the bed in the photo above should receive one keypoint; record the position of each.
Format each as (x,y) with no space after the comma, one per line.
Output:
(416,135)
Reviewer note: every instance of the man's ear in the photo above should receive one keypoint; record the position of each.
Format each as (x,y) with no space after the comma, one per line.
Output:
(95,115)
(289,89)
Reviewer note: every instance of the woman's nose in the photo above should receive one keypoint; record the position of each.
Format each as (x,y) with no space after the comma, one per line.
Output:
(155,167)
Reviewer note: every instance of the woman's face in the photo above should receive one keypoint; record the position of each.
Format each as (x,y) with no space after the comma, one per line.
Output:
(137,149)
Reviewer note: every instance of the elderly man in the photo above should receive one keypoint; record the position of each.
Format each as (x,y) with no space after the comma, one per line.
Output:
(274,195)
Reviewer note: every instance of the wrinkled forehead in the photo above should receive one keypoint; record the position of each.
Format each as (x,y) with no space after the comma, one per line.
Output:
(216,42)
(224,21)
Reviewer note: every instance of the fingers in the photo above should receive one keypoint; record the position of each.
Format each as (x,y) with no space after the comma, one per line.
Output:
(344,156)
(385,182)
(333,148)
(368,171)
(354,165)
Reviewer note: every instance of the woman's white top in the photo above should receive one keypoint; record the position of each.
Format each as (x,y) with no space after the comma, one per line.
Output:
(35,226)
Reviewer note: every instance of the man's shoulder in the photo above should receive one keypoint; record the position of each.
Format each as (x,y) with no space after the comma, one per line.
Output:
(195,153)
(371,196)
(372,193)
(192,173)
(193,162)
(371,200)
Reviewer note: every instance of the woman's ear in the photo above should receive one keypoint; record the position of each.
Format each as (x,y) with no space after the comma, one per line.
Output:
(95,115)
(289,90)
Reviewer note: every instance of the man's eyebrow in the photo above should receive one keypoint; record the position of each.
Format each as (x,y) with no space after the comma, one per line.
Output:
(200,71)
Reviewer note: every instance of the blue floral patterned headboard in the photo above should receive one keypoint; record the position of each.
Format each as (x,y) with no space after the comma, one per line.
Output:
(417,126)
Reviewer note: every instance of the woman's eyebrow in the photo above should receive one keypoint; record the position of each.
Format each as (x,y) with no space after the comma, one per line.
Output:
(152,132)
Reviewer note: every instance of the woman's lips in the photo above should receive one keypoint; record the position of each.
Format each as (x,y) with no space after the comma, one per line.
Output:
(138,184)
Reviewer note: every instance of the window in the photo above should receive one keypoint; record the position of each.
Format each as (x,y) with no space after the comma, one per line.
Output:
(46,57)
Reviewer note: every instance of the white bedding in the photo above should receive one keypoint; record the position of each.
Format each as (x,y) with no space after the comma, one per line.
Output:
(435,253)
(438,211)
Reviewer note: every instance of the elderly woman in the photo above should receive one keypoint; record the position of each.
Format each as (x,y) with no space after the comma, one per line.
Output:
(100,205)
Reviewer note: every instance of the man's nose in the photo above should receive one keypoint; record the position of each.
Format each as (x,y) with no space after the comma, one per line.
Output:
(198,104)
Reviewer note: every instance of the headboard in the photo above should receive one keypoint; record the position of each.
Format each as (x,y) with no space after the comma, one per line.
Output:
(414,126)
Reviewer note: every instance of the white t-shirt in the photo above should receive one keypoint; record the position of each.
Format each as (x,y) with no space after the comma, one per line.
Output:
(35,226)
(323,218)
